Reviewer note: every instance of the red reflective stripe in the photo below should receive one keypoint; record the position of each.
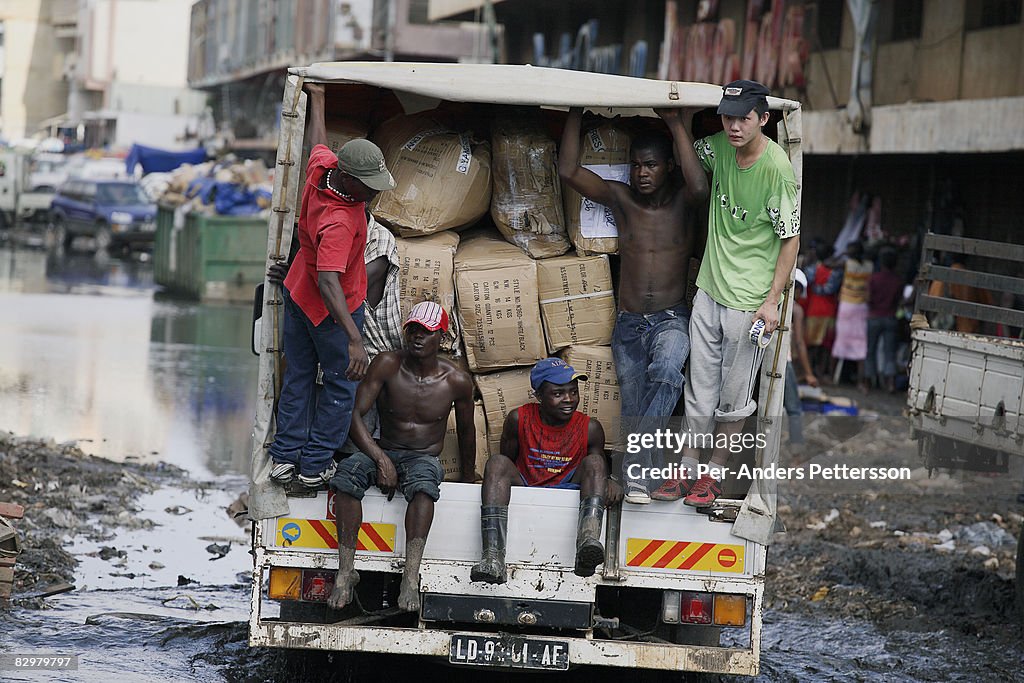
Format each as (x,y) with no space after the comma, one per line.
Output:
(375,538)
(649,550)
(671,554)
(697,554)
(319,527)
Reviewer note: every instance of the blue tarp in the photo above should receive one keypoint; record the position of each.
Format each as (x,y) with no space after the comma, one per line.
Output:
(229,199)
(159,160)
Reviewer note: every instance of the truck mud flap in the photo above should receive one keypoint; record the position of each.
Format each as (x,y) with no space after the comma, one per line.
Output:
(485,610)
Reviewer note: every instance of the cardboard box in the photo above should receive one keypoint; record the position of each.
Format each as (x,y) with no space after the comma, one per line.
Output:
(602,401)
(443,176)
(427,273)
(496,299)
(577,303)
(526,202)
(450,453)
(502,392)
(591,227)
(596,361)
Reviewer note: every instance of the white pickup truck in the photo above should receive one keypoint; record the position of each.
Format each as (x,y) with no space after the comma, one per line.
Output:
(679,590)
(966,397)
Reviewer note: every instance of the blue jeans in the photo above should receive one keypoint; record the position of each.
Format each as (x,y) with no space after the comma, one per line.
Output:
(650,351)
(418,472)
(311,428)
(881,338)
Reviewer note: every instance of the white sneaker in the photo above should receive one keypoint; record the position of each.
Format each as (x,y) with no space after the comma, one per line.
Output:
(318,480)
(637,494)
(283,472)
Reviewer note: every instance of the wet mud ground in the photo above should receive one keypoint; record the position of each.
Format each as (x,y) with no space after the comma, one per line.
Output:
(875,583)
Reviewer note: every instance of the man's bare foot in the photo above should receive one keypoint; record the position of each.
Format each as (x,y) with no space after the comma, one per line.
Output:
(343,586)
(409,596)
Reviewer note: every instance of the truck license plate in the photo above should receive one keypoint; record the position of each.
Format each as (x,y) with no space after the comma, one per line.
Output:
(509,651)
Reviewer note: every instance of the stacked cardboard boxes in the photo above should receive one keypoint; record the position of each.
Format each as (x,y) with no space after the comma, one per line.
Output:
(502,392)
(497,302)
(576,301)
(599,395)
(450,452)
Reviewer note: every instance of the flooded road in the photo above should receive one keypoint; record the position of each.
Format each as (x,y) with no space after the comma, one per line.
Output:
(90,352)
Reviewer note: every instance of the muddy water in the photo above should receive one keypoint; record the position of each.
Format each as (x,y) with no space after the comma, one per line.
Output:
(89,352)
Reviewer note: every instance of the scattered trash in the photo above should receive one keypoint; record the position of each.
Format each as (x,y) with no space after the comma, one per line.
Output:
(832,516)
(985,533)
(184,580)
(820,594)
(191,604)
(108,552)
(178,510)
(239,510)
(218,550)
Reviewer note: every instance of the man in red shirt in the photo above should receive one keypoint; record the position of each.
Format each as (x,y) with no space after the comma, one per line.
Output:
(324,294)
(552,445)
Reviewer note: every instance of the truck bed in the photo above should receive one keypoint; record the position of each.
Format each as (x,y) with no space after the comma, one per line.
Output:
(968,388)
(657,542)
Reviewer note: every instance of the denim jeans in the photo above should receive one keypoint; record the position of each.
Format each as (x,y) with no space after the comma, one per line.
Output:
(310,427)
(881,340)
(650,351)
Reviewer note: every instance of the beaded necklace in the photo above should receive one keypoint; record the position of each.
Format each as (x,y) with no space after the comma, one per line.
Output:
(346,197)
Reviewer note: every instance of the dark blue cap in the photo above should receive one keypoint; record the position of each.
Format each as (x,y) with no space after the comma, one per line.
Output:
(554,370)
(739,98)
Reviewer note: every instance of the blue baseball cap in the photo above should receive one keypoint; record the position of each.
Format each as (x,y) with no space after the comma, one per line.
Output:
(554,370)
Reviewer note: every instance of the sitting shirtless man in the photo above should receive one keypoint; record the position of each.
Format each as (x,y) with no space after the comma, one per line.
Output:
(414,391)
(547,444)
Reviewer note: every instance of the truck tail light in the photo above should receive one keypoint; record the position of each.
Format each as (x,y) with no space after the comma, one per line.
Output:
(670,607)
(285,583)
(695,608)
(730,610)
(317,585)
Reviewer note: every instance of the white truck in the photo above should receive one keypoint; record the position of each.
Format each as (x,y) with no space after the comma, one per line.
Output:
(966,395)
(679,590)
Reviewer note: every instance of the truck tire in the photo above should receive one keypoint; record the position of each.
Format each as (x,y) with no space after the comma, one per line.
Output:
(61,236)
(103,238)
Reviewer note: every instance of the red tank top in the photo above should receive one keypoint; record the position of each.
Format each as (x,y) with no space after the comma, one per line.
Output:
(549,455)
(821,305)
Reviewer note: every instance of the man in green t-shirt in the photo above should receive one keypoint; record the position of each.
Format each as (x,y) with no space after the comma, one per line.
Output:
(752,244)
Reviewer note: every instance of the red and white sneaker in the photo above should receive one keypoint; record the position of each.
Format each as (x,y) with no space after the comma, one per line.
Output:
(672,489)
(704,492)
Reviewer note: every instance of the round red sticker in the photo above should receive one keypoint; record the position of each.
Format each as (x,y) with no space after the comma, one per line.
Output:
(726,557)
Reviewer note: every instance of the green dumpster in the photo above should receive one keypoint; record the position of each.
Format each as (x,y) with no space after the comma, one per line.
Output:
(211,258)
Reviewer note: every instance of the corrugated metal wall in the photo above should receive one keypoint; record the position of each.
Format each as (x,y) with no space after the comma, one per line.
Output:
(240,37)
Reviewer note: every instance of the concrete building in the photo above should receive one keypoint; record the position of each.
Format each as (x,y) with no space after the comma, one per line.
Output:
(90,71)
(917,103)
(128,75)
(33,43)
(240,50)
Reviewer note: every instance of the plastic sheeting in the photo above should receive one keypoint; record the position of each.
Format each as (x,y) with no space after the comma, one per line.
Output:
(155,160)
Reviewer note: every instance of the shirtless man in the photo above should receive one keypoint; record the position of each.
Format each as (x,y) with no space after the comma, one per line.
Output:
(414,391)
(650,342)
(547,444)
